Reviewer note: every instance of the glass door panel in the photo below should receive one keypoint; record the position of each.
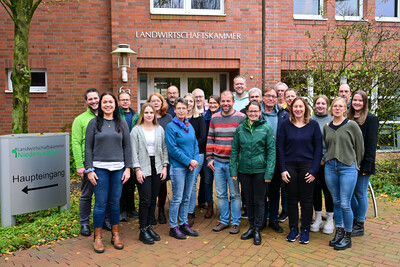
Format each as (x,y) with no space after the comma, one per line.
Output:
(206,84)
(161,85)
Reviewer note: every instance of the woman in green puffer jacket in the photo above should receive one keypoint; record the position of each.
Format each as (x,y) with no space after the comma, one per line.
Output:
(253,161)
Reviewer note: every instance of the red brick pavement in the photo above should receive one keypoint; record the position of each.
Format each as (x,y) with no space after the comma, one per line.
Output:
(379,247)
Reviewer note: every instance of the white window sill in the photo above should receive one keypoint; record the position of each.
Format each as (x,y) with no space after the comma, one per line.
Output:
(387,19)
(350,18)
(182,13)
(308,17)
(32,90)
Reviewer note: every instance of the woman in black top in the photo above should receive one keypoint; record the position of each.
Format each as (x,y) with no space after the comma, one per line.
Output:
(369,124)
(108,159)
(199,126)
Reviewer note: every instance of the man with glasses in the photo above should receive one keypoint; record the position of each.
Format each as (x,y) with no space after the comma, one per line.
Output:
(274,115)
(127,202)
(255,94)
(200,100)
(172,95)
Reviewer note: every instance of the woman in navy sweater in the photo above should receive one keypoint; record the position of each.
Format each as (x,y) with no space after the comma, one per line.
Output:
(369,124)
(299,147)
(184,157)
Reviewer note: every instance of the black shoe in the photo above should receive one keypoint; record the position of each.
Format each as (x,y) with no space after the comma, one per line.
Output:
(175,232)
(338,236)
(85,230)
(257,237)
(161,216)
(145,237)
(123,216)
(282,217)
(345,242)
(185,229)
(107,224)
(153,234)
(276,227)
(358,229)
(203,206)
(249,234)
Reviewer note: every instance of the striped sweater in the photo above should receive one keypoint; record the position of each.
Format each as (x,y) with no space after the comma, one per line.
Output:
(220,135)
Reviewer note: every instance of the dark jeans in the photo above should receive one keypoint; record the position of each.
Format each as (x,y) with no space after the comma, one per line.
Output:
(299,191)
(148,192)
(201,198)
(254,188)
(320,185)
(85,201)
(127,202)
(274,188)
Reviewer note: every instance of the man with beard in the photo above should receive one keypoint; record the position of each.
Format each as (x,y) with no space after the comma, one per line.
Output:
(223,125)
(92,97)
(172,94)
(240,95)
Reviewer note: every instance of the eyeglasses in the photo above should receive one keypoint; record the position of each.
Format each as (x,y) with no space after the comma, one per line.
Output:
(124,100)
(156,101)
(269,96)
(199,97)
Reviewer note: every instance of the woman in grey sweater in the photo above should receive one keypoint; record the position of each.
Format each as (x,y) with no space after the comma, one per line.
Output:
(108,159)
(150,162)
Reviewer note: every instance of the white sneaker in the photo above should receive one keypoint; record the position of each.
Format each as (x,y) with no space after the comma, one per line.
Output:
(329,225)
(317,225)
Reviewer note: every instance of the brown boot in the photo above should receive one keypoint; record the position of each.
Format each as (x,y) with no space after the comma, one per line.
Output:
(210,210)
(115,238)
(98,241)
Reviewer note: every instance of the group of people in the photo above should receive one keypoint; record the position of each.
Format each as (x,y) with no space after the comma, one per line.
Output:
(249,143)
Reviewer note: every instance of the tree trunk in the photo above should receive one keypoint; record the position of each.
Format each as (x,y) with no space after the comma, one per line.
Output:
(21,75)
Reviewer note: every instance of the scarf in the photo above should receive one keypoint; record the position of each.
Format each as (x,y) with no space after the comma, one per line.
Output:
(184,125)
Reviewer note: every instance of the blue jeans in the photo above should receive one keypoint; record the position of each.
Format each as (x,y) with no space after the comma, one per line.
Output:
(208,182)
(359,202)
(341,181)
(222,181)
(192,201)
(108,190)
(182,180)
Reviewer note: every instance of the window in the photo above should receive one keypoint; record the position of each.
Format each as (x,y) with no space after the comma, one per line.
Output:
(348,9)
(308,9)
(187,7)
(387,10)
(38,84)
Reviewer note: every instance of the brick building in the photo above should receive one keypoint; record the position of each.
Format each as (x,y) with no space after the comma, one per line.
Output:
(189,43)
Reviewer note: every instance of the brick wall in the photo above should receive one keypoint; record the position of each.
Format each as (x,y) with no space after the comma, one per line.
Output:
(73,42)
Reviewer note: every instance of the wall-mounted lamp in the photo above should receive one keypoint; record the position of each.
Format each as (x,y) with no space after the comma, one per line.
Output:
(124,61)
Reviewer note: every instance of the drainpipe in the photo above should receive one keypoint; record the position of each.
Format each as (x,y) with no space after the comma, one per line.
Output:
(263,47)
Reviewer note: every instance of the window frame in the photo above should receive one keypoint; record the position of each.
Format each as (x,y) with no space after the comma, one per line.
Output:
(32,89)
(352,18)
(311,17)
(389,19)
(187,10)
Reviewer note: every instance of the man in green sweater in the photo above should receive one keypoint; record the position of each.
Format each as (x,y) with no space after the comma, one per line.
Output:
(92,97)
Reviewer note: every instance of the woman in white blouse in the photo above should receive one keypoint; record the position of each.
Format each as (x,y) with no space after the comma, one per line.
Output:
(150,162)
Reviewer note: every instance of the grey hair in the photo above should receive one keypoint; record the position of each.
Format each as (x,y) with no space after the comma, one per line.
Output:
(281,83)
(256,90)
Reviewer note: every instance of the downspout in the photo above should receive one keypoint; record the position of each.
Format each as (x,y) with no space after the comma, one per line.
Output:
(263,47)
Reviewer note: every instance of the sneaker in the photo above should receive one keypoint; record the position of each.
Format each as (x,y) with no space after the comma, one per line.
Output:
(304,236)
(220,226)
(185,229)
(234,229)
(294,233)
(282,217)
(244,215)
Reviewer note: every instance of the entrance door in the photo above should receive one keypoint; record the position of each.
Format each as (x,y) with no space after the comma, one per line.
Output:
(209,82)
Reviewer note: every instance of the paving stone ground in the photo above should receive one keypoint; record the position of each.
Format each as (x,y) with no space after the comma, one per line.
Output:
(379,247)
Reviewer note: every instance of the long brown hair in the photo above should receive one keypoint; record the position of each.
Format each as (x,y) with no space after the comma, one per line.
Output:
(364,111)
(164,106)
(307,111)
(145,105)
